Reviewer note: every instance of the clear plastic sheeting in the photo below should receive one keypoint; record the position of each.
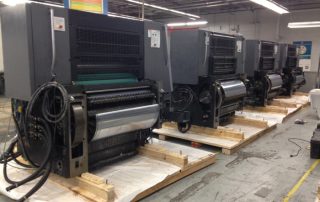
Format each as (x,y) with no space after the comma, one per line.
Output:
(233,89)
(125,120)
(275,81)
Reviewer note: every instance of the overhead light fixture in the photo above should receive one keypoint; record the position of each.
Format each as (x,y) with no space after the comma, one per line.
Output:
(13,2)
(272,6)
(117,15)
(311,24)
(164,9)
(187,24)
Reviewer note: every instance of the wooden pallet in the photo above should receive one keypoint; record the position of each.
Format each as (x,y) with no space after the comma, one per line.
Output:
(157,165)
(279,111)
(230,138)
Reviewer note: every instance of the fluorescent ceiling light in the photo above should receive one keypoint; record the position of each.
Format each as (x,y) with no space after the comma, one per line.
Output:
(187,24)
(310,24)
(272,6)
(164,9)
(13,2)
(117,15)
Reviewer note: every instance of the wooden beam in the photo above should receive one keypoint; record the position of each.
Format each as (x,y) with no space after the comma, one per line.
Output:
(219,132)
(250,122)
(284,103)
(301,94)
(188,170)
(270,109)
(161,153)
(88,185)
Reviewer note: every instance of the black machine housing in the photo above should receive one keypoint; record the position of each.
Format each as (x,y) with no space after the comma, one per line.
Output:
(206,68)
(293,75)
(112,71)
(261,67)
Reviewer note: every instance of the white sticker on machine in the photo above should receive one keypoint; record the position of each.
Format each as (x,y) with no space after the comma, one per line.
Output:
(239,46)
(59,24)
(155,38)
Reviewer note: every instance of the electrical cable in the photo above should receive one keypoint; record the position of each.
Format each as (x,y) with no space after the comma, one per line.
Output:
(53,109)
(300,148)
(182,98)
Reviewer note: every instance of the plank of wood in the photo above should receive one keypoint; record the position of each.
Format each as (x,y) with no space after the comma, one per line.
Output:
(251,122)
(159,153)
(268,108)
(221,132)
(88,185)
(194,137)
(301,93)
(283,103)
(187,170)
(249,140)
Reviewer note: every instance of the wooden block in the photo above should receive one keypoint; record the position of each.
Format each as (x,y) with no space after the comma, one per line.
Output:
(162,137)
(301,94)
(160,153)
(220,132)
(250,122)
(284,103)
(268,108)
(88,185)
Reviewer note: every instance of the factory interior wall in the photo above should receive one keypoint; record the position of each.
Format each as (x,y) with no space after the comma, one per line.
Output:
(267,25)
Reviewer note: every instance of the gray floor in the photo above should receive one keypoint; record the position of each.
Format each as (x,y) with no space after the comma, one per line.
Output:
(262,171)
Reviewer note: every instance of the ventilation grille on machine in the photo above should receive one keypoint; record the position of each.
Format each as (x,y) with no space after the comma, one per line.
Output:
(102,51)
(267,50)
(292,58)
(267,60)
(222,58)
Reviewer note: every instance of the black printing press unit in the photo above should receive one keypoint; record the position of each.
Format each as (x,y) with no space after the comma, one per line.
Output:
(292,74)
(208,86)
(264,77)
(85,93)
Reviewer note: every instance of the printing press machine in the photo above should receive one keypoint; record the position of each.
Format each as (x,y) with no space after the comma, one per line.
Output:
(207,70)
(85,88)
(261,66)
(292,74)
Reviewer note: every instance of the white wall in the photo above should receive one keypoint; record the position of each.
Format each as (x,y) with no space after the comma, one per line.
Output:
(267,25)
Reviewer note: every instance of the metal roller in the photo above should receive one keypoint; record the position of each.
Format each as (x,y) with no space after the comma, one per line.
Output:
(125,120)
(275,81)
(233,89)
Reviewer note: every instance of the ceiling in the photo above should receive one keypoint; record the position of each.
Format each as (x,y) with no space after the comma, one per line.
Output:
(197,7)
(201,7)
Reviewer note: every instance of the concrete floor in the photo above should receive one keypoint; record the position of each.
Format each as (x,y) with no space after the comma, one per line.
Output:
(262,171)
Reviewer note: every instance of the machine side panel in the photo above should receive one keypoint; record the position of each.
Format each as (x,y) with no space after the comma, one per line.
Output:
(41,25)
(157,64)
(185,56)
(18,56)
(251,57)
(240,55)
(204,52)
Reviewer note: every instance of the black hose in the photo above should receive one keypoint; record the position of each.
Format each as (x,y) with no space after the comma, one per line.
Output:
(48,116)
(38,185)
(35,174)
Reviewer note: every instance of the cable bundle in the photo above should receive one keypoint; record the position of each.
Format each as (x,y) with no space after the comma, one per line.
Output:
(54,104)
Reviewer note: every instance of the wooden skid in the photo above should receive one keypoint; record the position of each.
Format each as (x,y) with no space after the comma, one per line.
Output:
(279,111)
(88,185)
(157,165)
(248,128)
